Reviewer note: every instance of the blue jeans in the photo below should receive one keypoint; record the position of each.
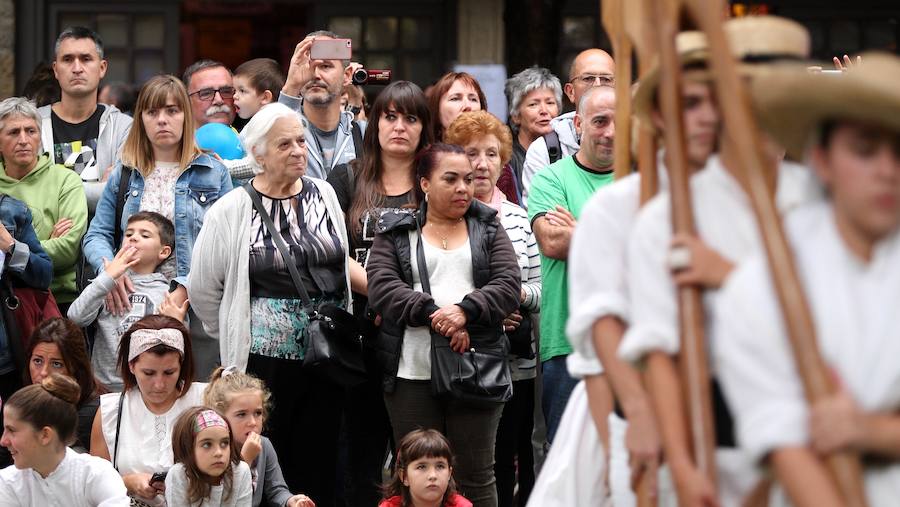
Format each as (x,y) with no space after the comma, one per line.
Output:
(557,385)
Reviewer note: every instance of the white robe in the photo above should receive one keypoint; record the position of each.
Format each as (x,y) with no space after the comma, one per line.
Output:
(725,221)
(852,304)
(80,480)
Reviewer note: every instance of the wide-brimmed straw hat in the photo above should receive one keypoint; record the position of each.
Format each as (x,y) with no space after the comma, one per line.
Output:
(793,106)
(755,41)
(692,49)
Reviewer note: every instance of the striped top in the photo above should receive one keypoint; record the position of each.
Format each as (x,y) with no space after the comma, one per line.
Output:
(515,220)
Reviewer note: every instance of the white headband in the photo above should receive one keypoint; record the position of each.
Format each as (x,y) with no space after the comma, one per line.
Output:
(143,340)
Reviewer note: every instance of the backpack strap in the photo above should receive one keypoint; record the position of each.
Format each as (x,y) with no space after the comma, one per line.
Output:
(356,130)
(554,150)
(121,196)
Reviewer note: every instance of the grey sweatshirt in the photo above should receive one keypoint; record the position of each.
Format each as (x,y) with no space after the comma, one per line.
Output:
(149,292)
(269,480)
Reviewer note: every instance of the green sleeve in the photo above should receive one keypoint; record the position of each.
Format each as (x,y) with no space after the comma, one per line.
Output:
(72,204)
(546,192)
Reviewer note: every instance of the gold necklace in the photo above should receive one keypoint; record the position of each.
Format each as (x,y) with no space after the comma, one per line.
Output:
(451,229)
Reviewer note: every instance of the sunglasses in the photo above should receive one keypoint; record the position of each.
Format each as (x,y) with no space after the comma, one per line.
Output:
(207,94)
(595,79)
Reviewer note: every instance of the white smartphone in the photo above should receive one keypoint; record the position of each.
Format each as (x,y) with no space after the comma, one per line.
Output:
(331,49)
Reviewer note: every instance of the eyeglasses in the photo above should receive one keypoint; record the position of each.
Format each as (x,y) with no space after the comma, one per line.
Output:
(595,79)
(207,94)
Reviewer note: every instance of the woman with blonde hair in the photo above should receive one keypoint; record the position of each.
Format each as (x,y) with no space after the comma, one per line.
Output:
(161,169)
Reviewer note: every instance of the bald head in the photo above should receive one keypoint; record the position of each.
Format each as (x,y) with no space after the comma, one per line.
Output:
(590,62)
(595,123)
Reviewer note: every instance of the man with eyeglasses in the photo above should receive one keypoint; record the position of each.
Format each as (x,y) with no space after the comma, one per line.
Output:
(211,88)
(77,131)
(592,67)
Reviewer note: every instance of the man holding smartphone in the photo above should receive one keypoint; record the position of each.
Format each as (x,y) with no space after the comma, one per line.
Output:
(313,87)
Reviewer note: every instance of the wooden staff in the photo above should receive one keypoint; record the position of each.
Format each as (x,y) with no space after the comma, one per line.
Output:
(844,467)
(692,359)
(612,12)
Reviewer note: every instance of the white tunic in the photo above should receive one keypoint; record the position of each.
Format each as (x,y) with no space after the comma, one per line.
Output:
(724,220)
(80,480)
(597,267)
(145,439)
(852,304)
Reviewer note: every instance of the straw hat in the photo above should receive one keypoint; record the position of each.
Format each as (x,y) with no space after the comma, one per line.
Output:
(792,106)
(692,49)
(754,40)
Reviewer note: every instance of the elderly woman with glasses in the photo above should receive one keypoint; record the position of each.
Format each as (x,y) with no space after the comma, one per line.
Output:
(161,169)
(243,291)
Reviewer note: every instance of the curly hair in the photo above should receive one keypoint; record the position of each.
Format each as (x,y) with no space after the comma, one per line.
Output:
(222,387)
(470,126)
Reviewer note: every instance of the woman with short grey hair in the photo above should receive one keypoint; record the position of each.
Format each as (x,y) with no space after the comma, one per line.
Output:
(241,288)
(534,96)
(54,193)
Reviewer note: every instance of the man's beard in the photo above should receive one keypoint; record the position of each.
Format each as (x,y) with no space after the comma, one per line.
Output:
(320,99)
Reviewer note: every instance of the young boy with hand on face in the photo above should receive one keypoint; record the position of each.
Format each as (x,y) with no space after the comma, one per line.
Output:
(148,241)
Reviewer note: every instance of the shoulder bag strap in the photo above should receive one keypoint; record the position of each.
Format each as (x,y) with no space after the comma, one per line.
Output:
(554,149)
(118,425)
(283,249)
(121,195)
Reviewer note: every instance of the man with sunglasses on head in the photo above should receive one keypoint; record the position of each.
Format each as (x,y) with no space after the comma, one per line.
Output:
(592,67)
(211,88)
(77,131)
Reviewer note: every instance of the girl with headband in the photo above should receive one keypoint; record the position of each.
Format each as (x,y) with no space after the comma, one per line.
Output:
(133,429)
(208,470)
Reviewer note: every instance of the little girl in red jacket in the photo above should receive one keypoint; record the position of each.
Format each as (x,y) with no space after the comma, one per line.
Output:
(423,474)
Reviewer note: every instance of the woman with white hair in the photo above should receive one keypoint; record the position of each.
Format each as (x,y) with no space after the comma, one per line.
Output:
(241,289)
(534,96)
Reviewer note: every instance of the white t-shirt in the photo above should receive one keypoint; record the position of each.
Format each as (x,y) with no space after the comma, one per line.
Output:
(451,278)
(241,489)
(852,305)
(80,480)
(145,439)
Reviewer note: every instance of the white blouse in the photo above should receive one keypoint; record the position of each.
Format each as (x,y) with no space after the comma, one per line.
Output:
(80,480)
(852,304)
(145,438)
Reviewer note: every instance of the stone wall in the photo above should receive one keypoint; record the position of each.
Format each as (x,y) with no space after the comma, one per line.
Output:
(7,48)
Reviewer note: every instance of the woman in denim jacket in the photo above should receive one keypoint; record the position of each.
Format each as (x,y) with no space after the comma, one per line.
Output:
(170,175)
(28,265)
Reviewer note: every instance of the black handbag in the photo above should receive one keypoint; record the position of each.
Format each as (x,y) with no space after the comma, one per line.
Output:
(479,376)
(333,336)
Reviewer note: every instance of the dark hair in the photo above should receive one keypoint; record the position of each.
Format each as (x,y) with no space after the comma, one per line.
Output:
(197,67)
(183,450)
(71,343)
(406,98)
(50,403)
(123,96)
(263,74)
(78,32)
(163,225)
(440,88)
(418,444)
(42,87)
(428,159)
(185,377)
(826,129)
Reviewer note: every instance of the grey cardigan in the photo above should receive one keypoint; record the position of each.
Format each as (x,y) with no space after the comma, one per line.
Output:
(269,479)
(219,282)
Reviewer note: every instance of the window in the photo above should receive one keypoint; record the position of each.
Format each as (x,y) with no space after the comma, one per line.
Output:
(134,43)
(403,44)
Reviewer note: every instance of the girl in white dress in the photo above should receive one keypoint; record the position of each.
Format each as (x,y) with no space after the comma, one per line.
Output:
(39,424)
(208,471)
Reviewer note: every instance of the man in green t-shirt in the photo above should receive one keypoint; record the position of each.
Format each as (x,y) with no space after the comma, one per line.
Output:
(555,199)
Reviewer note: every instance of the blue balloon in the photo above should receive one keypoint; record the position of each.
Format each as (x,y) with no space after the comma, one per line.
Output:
(221,139)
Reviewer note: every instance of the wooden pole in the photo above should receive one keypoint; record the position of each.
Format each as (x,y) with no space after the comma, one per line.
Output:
(693,364)
(734,106)
(613,12)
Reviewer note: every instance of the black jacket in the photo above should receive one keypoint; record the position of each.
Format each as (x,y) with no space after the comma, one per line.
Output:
(496,278)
